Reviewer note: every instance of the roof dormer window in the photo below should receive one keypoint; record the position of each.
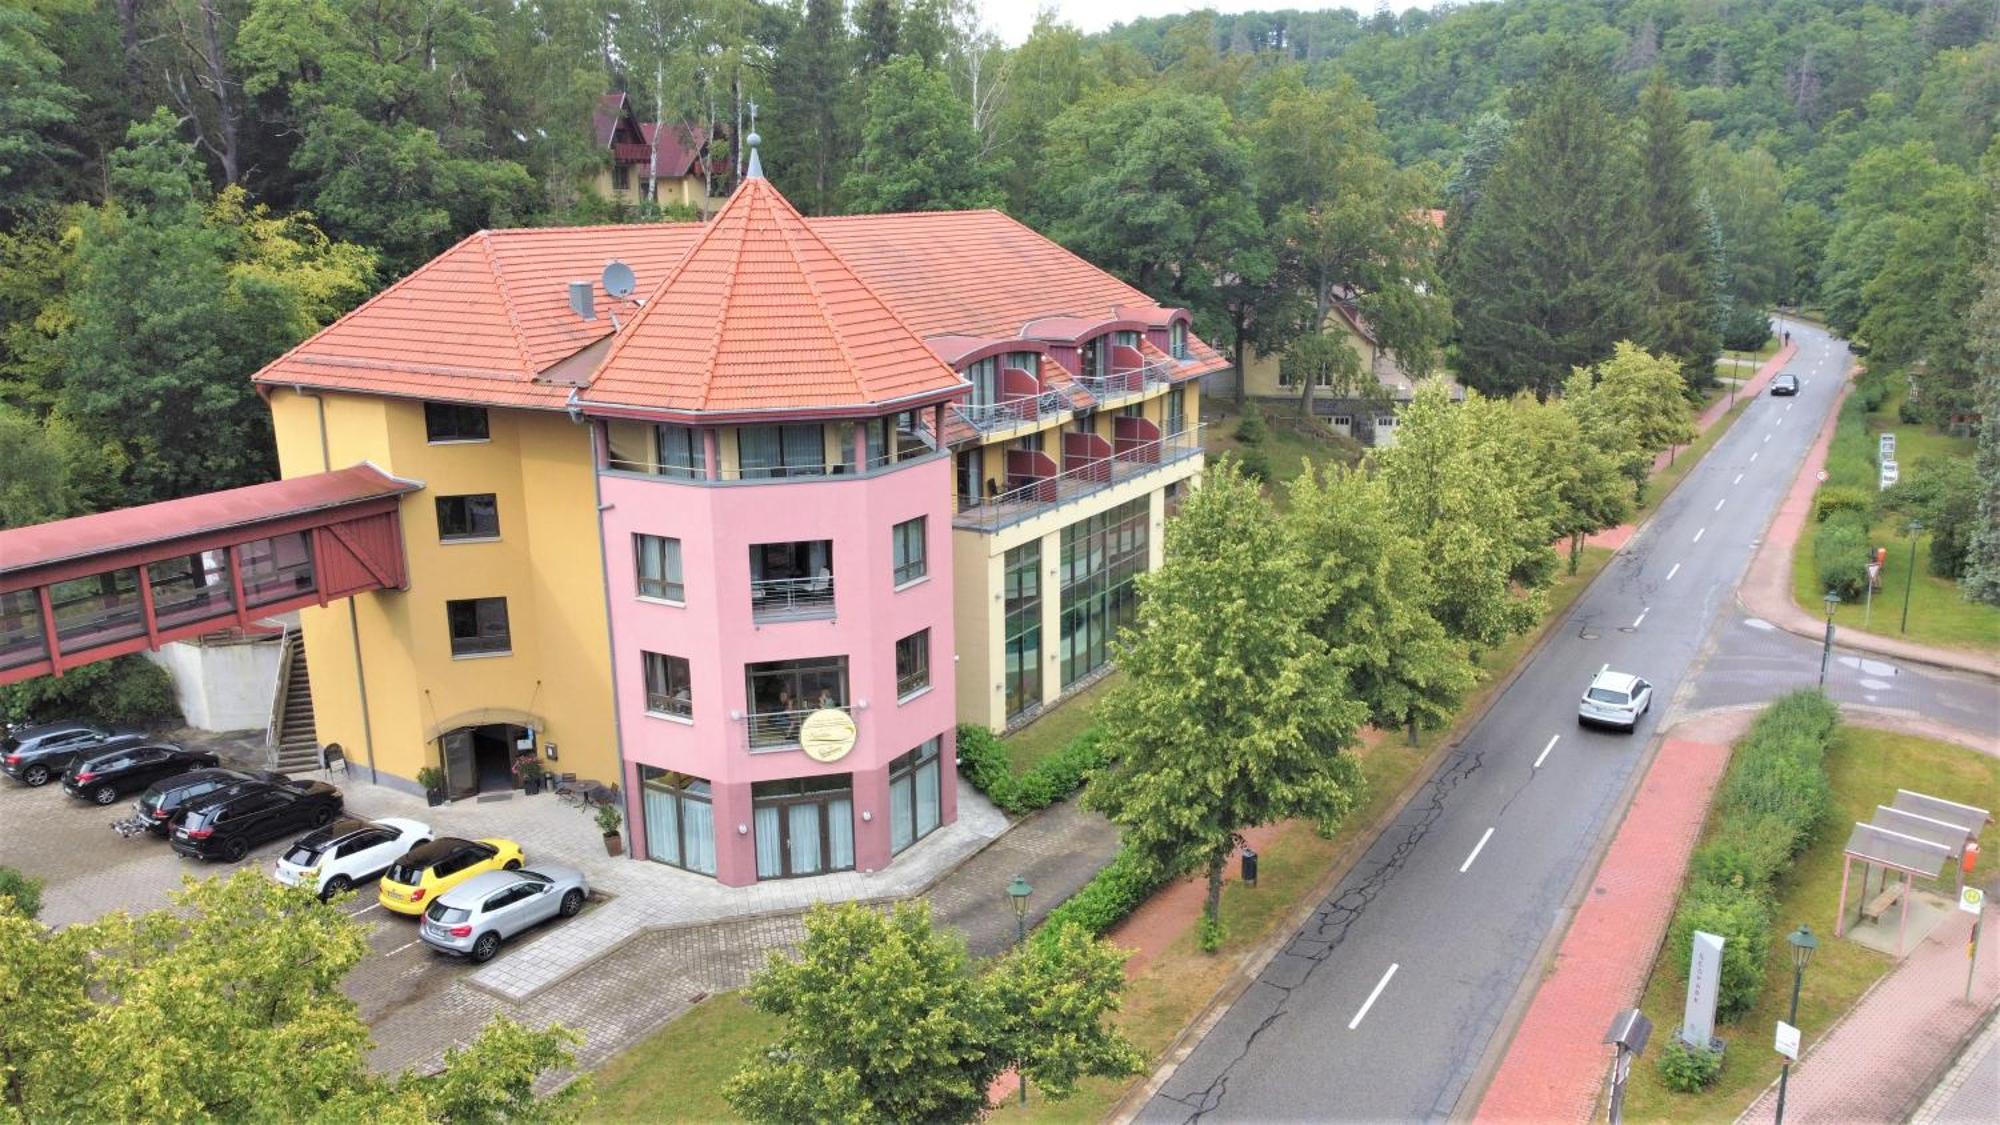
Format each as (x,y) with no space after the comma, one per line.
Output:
(984,375)
(1177,339)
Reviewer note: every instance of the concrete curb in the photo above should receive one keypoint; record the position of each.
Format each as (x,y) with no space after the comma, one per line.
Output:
(1766,590)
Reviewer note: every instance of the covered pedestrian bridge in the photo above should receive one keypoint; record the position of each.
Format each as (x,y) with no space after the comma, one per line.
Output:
(80,590)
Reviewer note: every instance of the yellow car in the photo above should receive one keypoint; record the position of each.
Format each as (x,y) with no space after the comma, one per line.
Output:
(429,870)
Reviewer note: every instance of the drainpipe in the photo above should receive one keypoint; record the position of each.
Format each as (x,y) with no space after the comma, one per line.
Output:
(610,631)
(353,615)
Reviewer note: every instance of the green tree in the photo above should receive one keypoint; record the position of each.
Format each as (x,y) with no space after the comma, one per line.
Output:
(1982,564)
(918,150)
(1319,359)
(1584,488)
(878,24)
(51,471)
(1544,276)
(228,1006)
(1632,408)
(1944,493)
(1232,713)
(26,894)
(1045,76)
(36,105)
(811,122)
(1152,186)
(1682,315)
(886,1018)
(1454,472)
(1375,617)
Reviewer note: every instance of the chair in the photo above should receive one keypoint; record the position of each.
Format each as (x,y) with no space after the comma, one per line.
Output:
(332,755)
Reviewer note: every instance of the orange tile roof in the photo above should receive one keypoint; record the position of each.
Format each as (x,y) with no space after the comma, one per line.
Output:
(762,315)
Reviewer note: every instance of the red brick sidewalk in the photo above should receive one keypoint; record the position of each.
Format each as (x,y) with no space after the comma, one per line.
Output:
(1551,1070)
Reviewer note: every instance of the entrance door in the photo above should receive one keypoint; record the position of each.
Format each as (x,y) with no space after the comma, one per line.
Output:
(461,774)
(803,833)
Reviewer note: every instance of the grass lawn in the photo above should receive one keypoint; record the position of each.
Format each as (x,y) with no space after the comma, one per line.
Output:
(676,1074)
(1058,728)
(1938,614)
(1289,441)
(1866,767)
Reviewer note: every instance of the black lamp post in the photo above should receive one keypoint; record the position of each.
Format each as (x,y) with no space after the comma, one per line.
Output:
(1916,533)
(1826,650)
(1018,891)
(1803,943)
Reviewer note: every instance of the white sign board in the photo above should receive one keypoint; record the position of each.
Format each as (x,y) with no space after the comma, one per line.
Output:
(1891,473)
(1704,976)
(1788,1041)
(1971,900)
(1887,447)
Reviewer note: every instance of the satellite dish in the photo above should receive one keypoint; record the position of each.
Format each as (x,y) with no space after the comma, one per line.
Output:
(618,280)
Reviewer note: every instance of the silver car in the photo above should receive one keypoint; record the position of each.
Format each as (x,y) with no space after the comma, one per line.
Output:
(473,918)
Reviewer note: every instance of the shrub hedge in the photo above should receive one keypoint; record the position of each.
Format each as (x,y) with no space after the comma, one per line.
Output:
(129,690)
(1840,554)
(1687,1070)
(1771,802)
(1842,498)
(984,763)
(1114,892)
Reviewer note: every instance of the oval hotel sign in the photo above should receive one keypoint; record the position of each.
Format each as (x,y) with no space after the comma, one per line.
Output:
(827,735)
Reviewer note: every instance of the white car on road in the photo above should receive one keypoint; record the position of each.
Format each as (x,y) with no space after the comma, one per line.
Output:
(1615,699)
(333,859)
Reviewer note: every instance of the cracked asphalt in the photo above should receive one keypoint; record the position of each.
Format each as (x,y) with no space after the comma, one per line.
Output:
(1382,1005)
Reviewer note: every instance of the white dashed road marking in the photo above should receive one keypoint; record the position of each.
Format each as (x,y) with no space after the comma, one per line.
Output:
(1720,503)
(1738,480)
(1641,619)
(1674,571)
(1463,867)
(1370,1002)
(1699,534)
(1545,751)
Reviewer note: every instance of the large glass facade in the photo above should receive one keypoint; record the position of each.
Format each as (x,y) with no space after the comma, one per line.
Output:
(781,451)
(680,820)
(1024,627)
(914,799)
(804,826)
(1102,556)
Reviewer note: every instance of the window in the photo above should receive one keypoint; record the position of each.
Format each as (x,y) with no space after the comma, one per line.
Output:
(449,421)
(668,688)
(913,796)
(478,626)
(893,439)
(680,820)
(985,379)
(186,588)
(781,451)
(1176,411)
(1125,338)
(909,551)
(1030,362)
(621,176)
(913,663)
(804,826)
(1343,420)
(1024,627)
(1386,422)
(1177,339)
(783,692)
(1095,357)
(791,579)
(276,568)
(1101,557)
(659,565)
(680,452)
(468,517)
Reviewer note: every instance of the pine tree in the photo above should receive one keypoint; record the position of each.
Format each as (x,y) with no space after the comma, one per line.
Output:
(1982,564)
(1544,275)
(1682,299)
(918,150)
(878,24)
(809,130)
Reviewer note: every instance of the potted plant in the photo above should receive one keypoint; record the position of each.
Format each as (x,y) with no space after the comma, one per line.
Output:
(432,779)
(528,771)
(608,821)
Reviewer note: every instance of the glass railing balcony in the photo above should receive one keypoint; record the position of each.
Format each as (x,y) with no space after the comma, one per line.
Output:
(771,731)
(1025,499)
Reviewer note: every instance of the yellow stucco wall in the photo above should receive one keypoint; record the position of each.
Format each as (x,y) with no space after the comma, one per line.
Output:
(547,563)
(1260,371)
(684,191)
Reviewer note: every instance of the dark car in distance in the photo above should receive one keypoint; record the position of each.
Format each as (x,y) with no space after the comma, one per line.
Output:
(107,777)
(1785,385)
(163,800)
(37,755)
(227,823)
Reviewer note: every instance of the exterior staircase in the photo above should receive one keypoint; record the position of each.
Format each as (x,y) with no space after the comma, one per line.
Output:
(294,741)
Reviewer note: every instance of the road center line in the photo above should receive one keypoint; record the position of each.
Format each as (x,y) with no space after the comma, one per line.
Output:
(1738,480)
(1463,867)
(1753,457)
(1370,1002)
(1699,534)
(1720,503)
(1767,437)
(1676,570)
(1545,751)
(1641,619)
(1605,668)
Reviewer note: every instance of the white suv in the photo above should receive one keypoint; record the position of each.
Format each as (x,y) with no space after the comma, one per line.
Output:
(1615,699)
(331,860)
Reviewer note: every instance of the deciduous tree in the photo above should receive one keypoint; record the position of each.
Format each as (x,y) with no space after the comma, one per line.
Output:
(1631,407)
(1233,712)
(918,150)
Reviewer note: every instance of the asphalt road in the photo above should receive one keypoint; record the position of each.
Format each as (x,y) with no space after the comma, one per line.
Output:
(1382,1005)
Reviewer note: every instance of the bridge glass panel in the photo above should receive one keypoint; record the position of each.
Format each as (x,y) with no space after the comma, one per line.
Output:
(191,588)
(97,610)
(21,638)
(277,568)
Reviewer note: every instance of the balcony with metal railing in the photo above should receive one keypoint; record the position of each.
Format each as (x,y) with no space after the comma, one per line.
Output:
(777,731)
(1126,383)
(1026,498)
(989,417)
(792,599)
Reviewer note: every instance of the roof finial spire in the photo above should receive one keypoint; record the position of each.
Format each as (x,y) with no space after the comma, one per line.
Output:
(756,169)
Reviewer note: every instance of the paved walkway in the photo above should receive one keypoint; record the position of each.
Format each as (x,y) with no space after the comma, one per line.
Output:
(1551,1071)
(1766,591)
(1970,1090)
(650,976)
(1885,1054)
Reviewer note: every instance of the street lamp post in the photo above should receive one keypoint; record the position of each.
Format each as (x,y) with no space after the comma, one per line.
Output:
(1803,943)
(1916,533)
(1018,891)
(1826,650)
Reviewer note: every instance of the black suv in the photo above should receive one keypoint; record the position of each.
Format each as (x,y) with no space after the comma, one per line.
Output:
(226,824)
(38,755)
(1785,385)
(107,777)
(164,800)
